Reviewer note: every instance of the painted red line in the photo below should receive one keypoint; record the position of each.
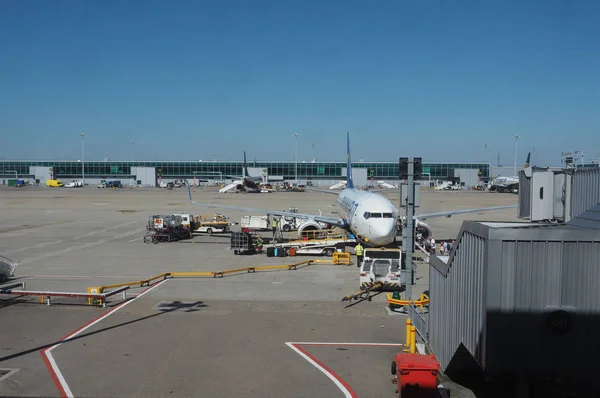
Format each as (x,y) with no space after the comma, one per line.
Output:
(53,374)
(331,372)
(59,387)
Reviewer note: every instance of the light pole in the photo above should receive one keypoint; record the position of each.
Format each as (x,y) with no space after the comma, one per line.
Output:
(485,155)
(296,158)
(82,160)
(132,142)
(516,137)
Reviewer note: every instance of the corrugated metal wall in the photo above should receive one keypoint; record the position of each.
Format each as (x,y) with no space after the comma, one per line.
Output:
(499,290)
(538,277)
(585,190)
(524,209)
(456,312)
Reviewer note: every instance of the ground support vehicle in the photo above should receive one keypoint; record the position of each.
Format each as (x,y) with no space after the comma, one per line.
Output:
(210,224)
(166,229)
(322,244)
(263,223)
(243,242)
(7,268)
(384,268)
(54,183)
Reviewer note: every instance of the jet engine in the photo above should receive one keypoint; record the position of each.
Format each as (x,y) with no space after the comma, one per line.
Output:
(305,227)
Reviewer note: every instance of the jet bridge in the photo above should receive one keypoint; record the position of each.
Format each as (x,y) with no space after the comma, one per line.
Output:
(557,195)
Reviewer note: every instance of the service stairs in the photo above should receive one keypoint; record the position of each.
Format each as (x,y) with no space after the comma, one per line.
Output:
(230,187)
(339,185)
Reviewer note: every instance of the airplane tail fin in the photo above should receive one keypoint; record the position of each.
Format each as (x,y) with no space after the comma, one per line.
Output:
(349,182)
(245,168)
(528,159)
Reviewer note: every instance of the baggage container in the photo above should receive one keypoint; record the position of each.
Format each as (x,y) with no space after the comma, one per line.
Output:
(416,375)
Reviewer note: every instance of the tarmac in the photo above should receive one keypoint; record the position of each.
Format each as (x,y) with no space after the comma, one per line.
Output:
(265,334)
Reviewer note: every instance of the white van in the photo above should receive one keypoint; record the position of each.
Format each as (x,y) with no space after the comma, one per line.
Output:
(74,184)
(381,265)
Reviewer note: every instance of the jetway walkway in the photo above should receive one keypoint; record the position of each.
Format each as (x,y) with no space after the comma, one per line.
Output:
(97,295)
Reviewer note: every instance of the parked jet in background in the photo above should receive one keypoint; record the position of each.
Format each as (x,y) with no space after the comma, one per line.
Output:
(508,184)
(245,181)
(370,217)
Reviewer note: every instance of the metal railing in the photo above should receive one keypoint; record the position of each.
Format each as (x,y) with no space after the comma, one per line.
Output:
(419,320)
(97,295)
(45,296)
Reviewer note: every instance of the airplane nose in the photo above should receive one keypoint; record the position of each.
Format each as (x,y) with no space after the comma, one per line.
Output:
(383,234)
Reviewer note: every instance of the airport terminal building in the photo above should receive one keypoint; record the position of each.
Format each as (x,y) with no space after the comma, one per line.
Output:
(151,173)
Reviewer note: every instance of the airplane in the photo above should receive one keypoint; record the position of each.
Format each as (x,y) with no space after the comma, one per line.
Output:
(249,183)
(369,216)
(508,184)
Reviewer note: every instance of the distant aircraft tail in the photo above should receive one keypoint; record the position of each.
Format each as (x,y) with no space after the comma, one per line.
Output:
(245,168)
(349,183)
(528,159)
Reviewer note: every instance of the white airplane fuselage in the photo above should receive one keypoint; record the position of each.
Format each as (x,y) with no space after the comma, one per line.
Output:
(506,180)
(369,216)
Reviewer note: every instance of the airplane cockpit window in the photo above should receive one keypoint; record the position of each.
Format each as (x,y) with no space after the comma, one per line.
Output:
(388,215)
(375,215)
(367,215)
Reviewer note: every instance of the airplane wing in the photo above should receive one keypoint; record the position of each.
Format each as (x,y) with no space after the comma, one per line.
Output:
(322,191)
(254,178)
(381,189)
(313,217)
(451,213)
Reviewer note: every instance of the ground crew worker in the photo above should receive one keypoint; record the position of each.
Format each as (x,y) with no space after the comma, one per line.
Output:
(274,224)
(259,244)
(359,254)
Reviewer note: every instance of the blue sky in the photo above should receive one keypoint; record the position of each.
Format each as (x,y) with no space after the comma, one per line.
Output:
(198,79)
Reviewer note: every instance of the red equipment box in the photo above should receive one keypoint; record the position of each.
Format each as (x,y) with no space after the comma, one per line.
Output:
(416,375)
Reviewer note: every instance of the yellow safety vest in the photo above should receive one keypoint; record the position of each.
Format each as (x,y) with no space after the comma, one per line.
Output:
(274,223)
(359,250)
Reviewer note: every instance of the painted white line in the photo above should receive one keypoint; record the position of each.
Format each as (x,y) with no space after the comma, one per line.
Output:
(76,248)
(59,376)
(133,240)
(338,381)
(48,352)
(10,373)
(56,242)
(357,344)
(394,313)
(326,372)
(38,246)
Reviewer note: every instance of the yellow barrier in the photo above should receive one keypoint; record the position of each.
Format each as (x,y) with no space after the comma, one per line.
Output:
(341,258)
(94,290)
(213,274)
(421,302)
(141,283)
(411,337)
